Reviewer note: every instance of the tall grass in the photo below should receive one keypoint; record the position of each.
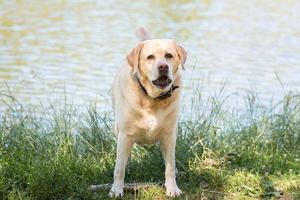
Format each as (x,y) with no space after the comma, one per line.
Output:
(57,152)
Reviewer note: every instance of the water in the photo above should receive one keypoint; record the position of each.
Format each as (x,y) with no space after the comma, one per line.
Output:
(50,50)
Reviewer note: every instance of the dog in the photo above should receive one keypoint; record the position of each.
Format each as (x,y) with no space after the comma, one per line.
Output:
(146,102)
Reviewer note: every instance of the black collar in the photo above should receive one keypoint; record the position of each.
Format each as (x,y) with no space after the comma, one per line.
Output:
(163,95)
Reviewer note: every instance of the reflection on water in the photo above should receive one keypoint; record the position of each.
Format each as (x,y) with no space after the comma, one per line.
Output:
(52,48)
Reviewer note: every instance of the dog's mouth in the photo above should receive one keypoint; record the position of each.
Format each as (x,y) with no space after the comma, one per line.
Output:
(162,82)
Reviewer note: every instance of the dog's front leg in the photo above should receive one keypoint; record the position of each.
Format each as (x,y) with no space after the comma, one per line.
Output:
(124,146)
(167,145)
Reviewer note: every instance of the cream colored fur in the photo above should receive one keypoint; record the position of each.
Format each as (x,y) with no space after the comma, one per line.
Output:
(140,118)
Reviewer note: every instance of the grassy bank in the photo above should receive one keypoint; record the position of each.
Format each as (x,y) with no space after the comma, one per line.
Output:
(221,154)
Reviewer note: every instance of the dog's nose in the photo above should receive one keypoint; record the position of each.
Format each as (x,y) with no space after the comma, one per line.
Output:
(163,69)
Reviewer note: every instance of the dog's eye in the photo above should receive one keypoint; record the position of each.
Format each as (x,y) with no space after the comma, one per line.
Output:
(150,57)
(168,55)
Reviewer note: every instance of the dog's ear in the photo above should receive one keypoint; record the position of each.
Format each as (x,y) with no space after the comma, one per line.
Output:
(142,34)
(181,53)
(133,57)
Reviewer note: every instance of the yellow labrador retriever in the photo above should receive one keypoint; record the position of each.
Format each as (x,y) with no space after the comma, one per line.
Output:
(146,104)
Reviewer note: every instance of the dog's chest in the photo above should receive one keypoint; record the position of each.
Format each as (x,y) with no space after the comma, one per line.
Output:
(150,123)
(149,127)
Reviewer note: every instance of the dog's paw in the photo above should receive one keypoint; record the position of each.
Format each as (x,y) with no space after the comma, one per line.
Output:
(173,190)
(116,191)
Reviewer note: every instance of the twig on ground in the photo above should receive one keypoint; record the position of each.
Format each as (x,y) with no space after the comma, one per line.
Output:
(127,186)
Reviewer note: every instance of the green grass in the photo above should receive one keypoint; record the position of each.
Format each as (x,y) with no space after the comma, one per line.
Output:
(57,152)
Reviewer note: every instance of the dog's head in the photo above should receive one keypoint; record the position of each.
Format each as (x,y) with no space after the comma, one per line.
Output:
(156,63)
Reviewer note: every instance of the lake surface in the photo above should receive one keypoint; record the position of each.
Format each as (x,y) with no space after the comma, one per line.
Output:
(50,50)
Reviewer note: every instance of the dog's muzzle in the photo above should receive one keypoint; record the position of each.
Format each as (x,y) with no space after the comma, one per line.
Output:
(163,79)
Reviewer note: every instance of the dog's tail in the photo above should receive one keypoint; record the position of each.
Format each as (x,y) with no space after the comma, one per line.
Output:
(142,34)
